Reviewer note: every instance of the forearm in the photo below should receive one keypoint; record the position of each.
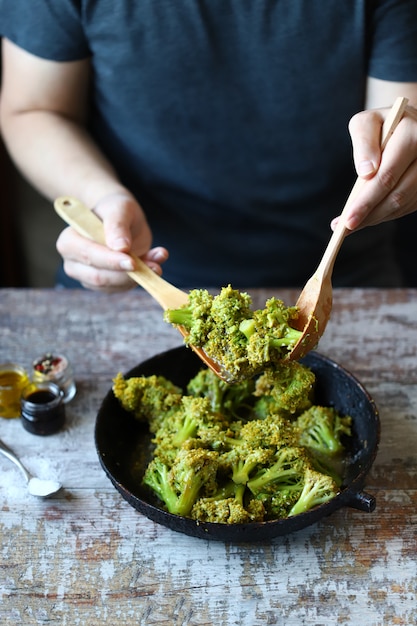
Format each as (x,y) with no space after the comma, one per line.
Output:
(382,93)
(58,156)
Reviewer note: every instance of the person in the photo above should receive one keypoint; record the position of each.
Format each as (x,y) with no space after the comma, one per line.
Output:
(225,133)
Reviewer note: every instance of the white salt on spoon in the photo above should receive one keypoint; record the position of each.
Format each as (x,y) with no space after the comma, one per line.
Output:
(36,486)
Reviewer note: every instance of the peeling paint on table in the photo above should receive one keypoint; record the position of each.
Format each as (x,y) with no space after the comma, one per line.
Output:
(85,557)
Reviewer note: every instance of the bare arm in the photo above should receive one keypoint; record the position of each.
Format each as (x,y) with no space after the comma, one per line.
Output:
(392,191)
(43,111)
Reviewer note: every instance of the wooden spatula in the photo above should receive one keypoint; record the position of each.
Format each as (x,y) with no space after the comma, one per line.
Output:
(316,299)
(85,222)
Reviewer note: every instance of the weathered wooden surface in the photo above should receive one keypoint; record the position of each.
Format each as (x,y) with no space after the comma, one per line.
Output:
(87,558)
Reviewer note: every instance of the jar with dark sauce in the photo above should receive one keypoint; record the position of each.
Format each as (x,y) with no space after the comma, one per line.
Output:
(42,408)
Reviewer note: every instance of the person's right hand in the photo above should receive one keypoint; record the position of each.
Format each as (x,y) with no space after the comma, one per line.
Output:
(127,231)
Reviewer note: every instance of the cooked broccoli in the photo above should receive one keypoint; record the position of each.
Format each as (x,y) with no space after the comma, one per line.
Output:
(149,398)
(317,489)
(192,423)
(284,390)
(286,469)
(244,342)
(203,311)
(242,462)
(253,451)
(227,511)
(269,332)
(228,506)
(234,400)
(275,432)
(278,503)
(192,474)
(157,477)
(195,413)
(332,465)
(321,429)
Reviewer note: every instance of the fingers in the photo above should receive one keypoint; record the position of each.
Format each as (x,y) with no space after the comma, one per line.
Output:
(365,130)
(390,192)
(97,267)
(118,213)
(93,265)
(155,258)
(126,232)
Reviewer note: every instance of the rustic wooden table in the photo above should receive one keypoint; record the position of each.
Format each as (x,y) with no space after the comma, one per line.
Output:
(85,557)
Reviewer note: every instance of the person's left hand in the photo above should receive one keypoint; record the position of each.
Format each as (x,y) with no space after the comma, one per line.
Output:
(391,191)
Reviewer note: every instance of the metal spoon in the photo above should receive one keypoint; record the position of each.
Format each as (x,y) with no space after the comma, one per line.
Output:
(36,486)
(315,300)
(85,222)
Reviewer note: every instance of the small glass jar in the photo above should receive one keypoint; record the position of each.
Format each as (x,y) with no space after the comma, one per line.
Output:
(55,368)
(13,379)
(42,408)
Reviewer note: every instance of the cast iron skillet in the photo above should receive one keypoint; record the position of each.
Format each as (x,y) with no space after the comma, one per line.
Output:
(123,447)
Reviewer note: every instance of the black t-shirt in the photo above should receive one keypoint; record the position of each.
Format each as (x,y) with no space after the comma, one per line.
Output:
(228,120)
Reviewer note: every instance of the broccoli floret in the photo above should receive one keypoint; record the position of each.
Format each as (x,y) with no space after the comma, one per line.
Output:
(284,390)
(321,429)
(239,339)
(286,470)
(194,413)
(228,506)
(278,504)
(193,473)
(228,511)
(275,432)
(193,425)
(233,400)
(195,316)
(317,489)
(332,465)
(242,462)
(269,333)
(157,477)
(149,398)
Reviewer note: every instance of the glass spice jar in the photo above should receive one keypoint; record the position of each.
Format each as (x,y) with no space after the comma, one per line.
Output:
(13,379)
(42,408)
(55,368)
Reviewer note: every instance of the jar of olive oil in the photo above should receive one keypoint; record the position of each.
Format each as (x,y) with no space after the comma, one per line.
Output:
(13,379)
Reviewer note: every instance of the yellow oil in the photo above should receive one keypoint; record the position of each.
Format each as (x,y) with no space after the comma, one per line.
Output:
(13,379)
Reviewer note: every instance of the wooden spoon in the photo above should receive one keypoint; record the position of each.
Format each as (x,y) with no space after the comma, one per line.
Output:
(85,222)
(315,300)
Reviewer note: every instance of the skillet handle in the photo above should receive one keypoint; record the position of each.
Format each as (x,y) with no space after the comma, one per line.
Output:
(362,501)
